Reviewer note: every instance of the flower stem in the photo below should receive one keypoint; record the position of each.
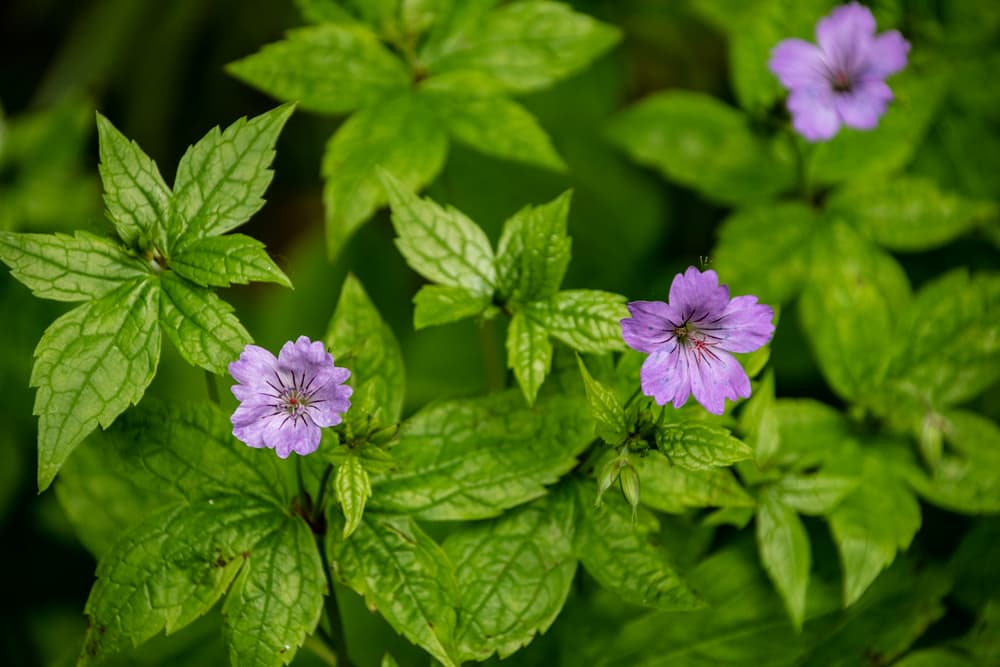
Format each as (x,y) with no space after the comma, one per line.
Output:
(213,389)
(632,398)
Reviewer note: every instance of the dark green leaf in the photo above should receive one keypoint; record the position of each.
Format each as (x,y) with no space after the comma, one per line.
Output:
(529,353)
(135,194)
(440,304)
(221,179)
(90,365)
(534,251)
(474,458)
(331,68)
(784,552)
(401,134)
(700,142)
(528,45)
(200,324)
(404,574)
(514,574)
(812,494)
(219,261)
(277,599)
(357,332)
(624,557)
(68,268)
(700,446)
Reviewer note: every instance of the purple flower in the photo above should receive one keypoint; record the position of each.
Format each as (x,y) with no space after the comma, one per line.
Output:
(285,401)
(841,81)
(689,340)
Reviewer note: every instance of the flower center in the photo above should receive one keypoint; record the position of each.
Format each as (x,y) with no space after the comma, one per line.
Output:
(294,402)
(841,82)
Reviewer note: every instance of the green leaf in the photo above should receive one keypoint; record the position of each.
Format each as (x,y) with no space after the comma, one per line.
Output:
(441,244)
(455,23)
(700,446)
(815,494)
(404,574)
(277,599)
(514,574)
(187,451)
(759,422)
(586,320)
(623,556)
(358,332)
(849,309)
(670,488)
(200,324)
(353,488)
(477,113)
(907,213)
(330,68)
(68,268)
(810,434)
(170,570)
(534,251)
(935,657)
(90,365)
(221,179)
(400,134)
(700,142)
(220,261)
(862,155)
(785,554)
(441,304)
(879,518)
(529,353)
(324,11)
(948,342)
(137,199)
(767,250)
(528,45)
(608,412)
(474,458)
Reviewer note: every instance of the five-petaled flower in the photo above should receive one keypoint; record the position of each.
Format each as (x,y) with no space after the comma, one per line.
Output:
(285,401)
(689,340)
(841,81)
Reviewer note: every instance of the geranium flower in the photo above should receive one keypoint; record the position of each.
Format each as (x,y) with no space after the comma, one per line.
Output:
(689,340)
(285,401)
(841,81)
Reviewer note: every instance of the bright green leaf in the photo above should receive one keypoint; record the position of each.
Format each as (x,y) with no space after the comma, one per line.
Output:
(529,353)
(90,365)
(324,11)
(441,304)
(220,261)
(401,134)
(700,142)
(478,114)
(586,320)
(670,488)
(170,570)
(135,194)
(277,599)
(220,180)
(700,446)
(200,324)
(607,409)
(330,68)
(358,333)
(404,574)
(68,268)
(784,552)
(513,574)
(528,45)
(759,421)
(353,488)
(534,251)
(623,556)
(474,458)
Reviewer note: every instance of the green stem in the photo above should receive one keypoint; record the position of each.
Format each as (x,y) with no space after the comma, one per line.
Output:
(491,361)
(213,389)
(336,632)
(320,647)
(631,398)
(321,494)
(298,474)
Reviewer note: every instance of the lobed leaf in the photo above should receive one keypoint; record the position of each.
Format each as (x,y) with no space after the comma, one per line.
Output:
(474,458)
(534,251)
(586,320)
(221,179)
(68,268)
(220,261)
(90,365)
(401,134)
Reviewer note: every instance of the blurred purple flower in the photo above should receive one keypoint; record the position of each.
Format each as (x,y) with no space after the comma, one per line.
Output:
(841,81)
(689,339)
(285,401)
